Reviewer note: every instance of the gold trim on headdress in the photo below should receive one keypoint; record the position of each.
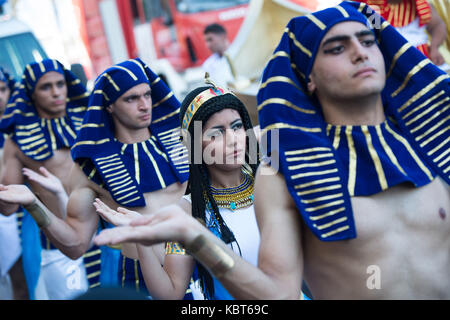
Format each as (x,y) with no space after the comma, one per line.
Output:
(200,99)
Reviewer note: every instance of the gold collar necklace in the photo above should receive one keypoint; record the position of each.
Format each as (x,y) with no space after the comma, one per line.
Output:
(235,197)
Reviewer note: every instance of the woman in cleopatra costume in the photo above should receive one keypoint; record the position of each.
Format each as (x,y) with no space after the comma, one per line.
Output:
(7,86)
(354,195)
(10,247)
(221,178)
(42,119)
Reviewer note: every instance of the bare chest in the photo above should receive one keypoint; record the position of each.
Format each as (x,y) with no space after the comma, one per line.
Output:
(154,200)
(404,231)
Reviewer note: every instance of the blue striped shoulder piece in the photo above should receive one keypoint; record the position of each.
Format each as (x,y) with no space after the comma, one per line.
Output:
(319,176)
(37,137)
(9,80)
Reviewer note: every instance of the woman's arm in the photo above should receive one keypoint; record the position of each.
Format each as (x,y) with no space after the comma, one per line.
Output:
(51,183)
(280,262)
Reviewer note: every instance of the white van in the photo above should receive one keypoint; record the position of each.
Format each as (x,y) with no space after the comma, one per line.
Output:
(18,44)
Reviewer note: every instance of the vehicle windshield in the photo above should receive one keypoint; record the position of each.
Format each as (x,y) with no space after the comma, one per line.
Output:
(193,6)
(18,50)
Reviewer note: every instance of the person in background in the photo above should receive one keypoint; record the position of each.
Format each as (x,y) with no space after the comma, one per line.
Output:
(356,181)
(415,20)
(10,246)
(42,119)
(127,154)
(217,64)
(221,190)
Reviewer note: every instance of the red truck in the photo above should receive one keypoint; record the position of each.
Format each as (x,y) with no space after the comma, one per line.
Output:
(154,29)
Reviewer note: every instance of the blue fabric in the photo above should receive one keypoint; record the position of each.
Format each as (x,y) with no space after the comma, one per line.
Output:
(220,293)
(2,140)
(37,138)
(287,110)
(161,160)
(31,252)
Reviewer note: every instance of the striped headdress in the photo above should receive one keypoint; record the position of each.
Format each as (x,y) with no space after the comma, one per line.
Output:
(415,97)
(128,171)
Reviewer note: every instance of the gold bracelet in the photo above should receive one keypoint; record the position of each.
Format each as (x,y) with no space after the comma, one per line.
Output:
(38,214)
(212,256)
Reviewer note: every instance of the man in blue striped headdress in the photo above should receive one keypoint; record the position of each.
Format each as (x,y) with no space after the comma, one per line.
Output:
(357,202)
(127,153)
(42,119)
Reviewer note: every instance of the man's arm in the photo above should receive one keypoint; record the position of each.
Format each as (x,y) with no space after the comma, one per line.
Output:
(73,237)
(166,278)
(11,173)
(438,33)
(280,263)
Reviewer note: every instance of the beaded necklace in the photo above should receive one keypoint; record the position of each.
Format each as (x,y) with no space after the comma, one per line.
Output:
(235,197)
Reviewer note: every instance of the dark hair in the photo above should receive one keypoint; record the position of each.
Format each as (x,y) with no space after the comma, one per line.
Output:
(214,28)
(199,183)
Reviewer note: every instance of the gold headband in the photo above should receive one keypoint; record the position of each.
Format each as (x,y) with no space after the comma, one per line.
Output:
(200,99)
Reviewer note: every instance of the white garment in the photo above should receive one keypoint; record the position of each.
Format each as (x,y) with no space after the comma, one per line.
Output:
(219,70)
(10,247)
(414,33)
(60,278)
(6,292)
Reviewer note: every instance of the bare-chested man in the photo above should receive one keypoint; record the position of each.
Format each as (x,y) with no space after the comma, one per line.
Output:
(126,157)
(10,247)
(418,21)
(42,120)
(358,206)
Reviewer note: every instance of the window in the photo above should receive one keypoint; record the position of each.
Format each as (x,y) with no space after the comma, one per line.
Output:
(152,9)
(18,50)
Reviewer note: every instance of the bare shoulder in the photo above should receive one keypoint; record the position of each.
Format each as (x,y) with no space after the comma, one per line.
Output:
(186,205)
(271,190)
(274,206)
(12,164)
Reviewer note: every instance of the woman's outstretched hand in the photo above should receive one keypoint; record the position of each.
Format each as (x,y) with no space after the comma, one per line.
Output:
(121,217)
(171,223)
